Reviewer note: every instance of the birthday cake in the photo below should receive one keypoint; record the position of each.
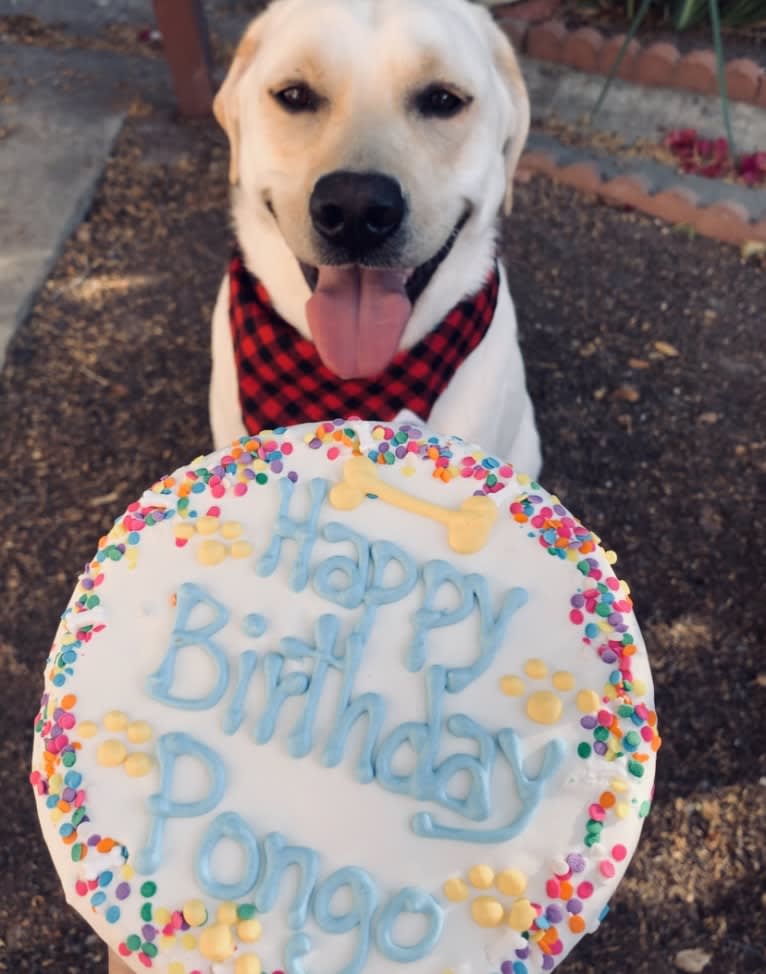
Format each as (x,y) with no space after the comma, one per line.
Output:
(343,699)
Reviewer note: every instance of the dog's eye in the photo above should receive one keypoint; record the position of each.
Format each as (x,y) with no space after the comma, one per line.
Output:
(297,98)
(438,102)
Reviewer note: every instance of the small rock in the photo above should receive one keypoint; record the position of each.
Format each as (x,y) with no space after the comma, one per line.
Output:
(692,961)
(666,349)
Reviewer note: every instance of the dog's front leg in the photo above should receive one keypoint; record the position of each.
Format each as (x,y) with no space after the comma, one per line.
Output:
(225,410)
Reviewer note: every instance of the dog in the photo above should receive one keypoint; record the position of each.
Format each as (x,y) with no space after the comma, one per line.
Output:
(372,146)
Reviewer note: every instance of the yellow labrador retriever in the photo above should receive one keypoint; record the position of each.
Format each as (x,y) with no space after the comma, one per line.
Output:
(373,143)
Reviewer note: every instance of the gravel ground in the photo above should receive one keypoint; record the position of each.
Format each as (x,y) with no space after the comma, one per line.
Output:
(645,353)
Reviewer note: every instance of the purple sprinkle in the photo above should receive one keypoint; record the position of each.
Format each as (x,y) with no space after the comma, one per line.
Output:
(614,618)
(554,913)
(522,953)
(123,891)
(69,794)
(578,600)
(148,931)
(315,444)
(383,447)
(609,656)
(277,466)
(94,839)
(506,967)
(622,628)
(560,510)
(292,476)
(245,458)
(87,583)
(576,862)
(535,499)
(574,906)
(600,747)
(415,433)
(588,722)
(548,962)
(218,470)
(401,452)
(249,474)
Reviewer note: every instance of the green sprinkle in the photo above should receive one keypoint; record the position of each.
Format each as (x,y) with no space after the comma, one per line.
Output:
(261,478)
(636,769)
(246,911)
(601,733)
(625,710)
(603,609)
(146,912)
(133,942)
(591,840)
(594,827)
(149,949)
(644,809)
(68,759)
(77,852)
(148,888)
(584,749)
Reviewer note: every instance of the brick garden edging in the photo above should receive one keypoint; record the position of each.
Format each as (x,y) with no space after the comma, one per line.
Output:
(726,219)
(534,33)
(532,27)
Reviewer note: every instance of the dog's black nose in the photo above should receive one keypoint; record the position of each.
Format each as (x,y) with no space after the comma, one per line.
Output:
(356,211)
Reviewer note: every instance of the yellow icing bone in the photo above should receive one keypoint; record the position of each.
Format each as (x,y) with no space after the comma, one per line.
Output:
(468,527)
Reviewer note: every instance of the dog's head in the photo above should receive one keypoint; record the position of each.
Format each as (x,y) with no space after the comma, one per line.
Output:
(376,141)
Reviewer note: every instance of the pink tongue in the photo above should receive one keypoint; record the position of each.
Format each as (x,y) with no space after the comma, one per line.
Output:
(357,316)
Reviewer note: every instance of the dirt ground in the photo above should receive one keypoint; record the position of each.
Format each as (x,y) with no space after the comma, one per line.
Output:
(646,356)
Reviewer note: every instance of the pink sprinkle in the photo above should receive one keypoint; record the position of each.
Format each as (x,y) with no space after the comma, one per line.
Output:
(217,492)
(145,960)
(466,472)
(240,489)
(81,888)
(333,453)
(506,471)
(606,868)
(619,852)
(215,510)
(604,718)
(67,721)
(287,449)
(576,616)
(123,950)
(647,733)
(181,542)
(553,889)
(556,947)
(596,812)
(585,890)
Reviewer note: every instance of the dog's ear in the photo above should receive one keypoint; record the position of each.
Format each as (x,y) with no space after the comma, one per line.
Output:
(225,103)
(509,72)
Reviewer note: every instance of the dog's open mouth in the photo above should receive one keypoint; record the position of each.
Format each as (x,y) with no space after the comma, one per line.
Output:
(357,314)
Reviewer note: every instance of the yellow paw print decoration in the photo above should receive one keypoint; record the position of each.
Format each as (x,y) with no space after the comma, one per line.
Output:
(487,909)
(220,539)
(113,752)
(546,706)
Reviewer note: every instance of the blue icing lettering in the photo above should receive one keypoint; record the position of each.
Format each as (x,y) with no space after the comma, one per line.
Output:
(325,654)
(162,806)
(158,684)
(235,714)
(304,533)
(228,825)
(491,631)
(429,781)
(325,580)
(279,857)
(254,624)
(296,948)
(278,689)
(529,789)
(383,554)
(408,900)
(370,705)
(472,590)
(364,899)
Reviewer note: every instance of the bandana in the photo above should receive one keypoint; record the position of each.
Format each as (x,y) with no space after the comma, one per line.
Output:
(282,379)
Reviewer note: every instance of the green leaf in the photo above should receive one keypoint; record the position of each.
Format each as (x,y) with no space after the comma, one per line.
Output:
(637,20)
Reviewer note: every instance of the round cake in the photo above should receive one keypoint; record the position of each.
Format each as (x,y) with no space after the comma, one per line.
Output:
(344,699)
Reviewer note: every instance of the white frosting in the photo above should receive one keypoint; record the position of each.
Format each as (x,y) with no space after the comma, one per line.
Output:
(349,824)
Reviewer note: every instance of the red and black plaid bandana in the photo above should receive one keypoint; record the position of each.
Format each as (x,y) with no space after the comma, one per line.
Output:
(282,380)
